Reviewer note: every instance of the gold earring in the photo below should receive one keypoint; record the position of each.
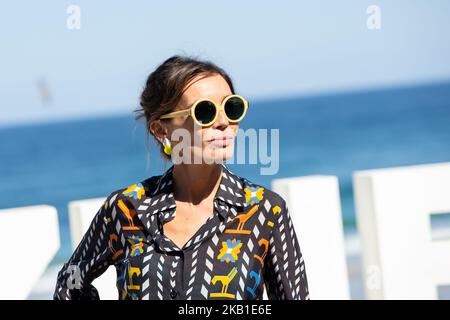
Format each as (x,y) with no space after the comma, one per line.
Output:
(167,146)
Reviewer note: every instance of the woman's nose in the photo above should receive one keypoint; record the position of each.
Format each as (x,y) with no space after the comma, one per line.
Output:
(221,120)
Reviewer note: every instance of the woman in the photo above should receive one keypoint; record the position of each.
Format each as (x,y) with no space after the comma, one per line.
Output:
(198,231)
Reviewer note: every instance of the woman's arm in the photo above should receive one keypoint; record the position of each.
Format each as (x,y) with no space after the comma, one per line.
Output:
(90,259)
(285,275)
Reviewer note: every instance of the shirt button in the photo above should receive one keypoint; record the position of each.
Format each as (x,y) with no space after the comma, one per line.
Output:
(173,293)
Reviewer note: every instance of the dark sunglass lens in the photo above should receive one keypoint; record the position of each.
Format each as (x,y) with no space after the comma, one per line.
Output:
(234,108)
(205,112)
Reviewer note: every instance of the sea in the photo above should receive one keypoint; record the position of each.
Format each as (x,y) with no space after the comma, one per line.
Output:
(327,134)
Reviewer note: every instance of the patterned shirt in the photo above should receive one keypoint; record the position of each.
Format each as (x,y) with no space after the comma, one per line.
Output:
(247,244)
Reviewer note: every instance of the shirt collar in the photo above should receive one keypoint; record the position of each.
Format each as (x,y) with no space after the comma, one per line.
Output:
(230,192)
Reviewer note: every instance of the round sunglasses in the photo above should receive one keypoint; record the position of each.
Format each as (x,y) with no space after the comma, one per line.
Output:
(205,111)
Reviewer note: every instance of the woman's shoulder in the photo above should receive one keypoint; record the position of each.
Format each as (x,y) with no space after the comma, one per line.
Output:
(145,190)
(257,193)
(133,192)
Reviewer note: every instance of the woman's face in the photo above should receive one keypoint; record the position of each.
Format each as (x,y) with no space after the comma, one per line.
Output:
(214,143)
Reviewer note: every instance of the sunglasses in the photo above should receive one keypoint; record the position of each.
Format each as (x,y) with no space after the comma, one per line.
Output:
(205,111)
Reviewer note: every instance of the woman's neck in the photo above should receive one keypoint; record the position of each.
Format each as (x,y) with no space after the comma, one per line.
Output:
(196,182)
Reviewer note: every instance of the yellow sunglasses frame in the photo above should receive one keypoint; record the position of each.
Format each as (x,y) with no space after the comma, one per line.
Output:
(190,111)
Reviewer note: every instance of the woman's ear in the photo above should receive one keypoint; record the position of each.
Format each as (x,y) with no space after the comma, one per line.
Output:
(159,130)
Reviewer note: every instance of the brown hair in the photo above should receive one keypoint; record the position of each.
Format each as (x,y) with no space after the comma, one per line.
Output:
(165,86)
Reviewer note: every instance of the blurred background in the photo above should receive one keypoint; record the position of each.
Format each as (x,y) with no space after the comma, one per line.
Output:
(348,90)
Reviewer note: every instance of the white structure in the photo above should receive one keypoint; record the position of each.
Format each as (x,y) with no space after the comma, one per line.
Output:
(314,206)
(29,239)
(81,214)
(393,209)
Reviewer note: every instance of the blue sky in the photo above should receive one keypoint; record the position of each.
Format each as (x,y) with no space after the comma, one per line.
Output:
(271,49)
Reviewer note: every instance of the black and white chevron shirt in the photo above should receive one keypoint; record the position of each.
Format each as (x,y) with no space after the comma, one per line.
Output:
(248,244)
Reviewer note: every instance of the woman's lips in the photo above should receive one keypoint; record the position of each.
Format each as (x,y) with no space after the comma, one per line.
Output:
(221,141)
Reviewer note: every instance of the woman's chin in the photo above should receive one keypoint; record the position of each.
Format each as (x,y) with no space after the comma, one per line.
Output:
(218,154)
